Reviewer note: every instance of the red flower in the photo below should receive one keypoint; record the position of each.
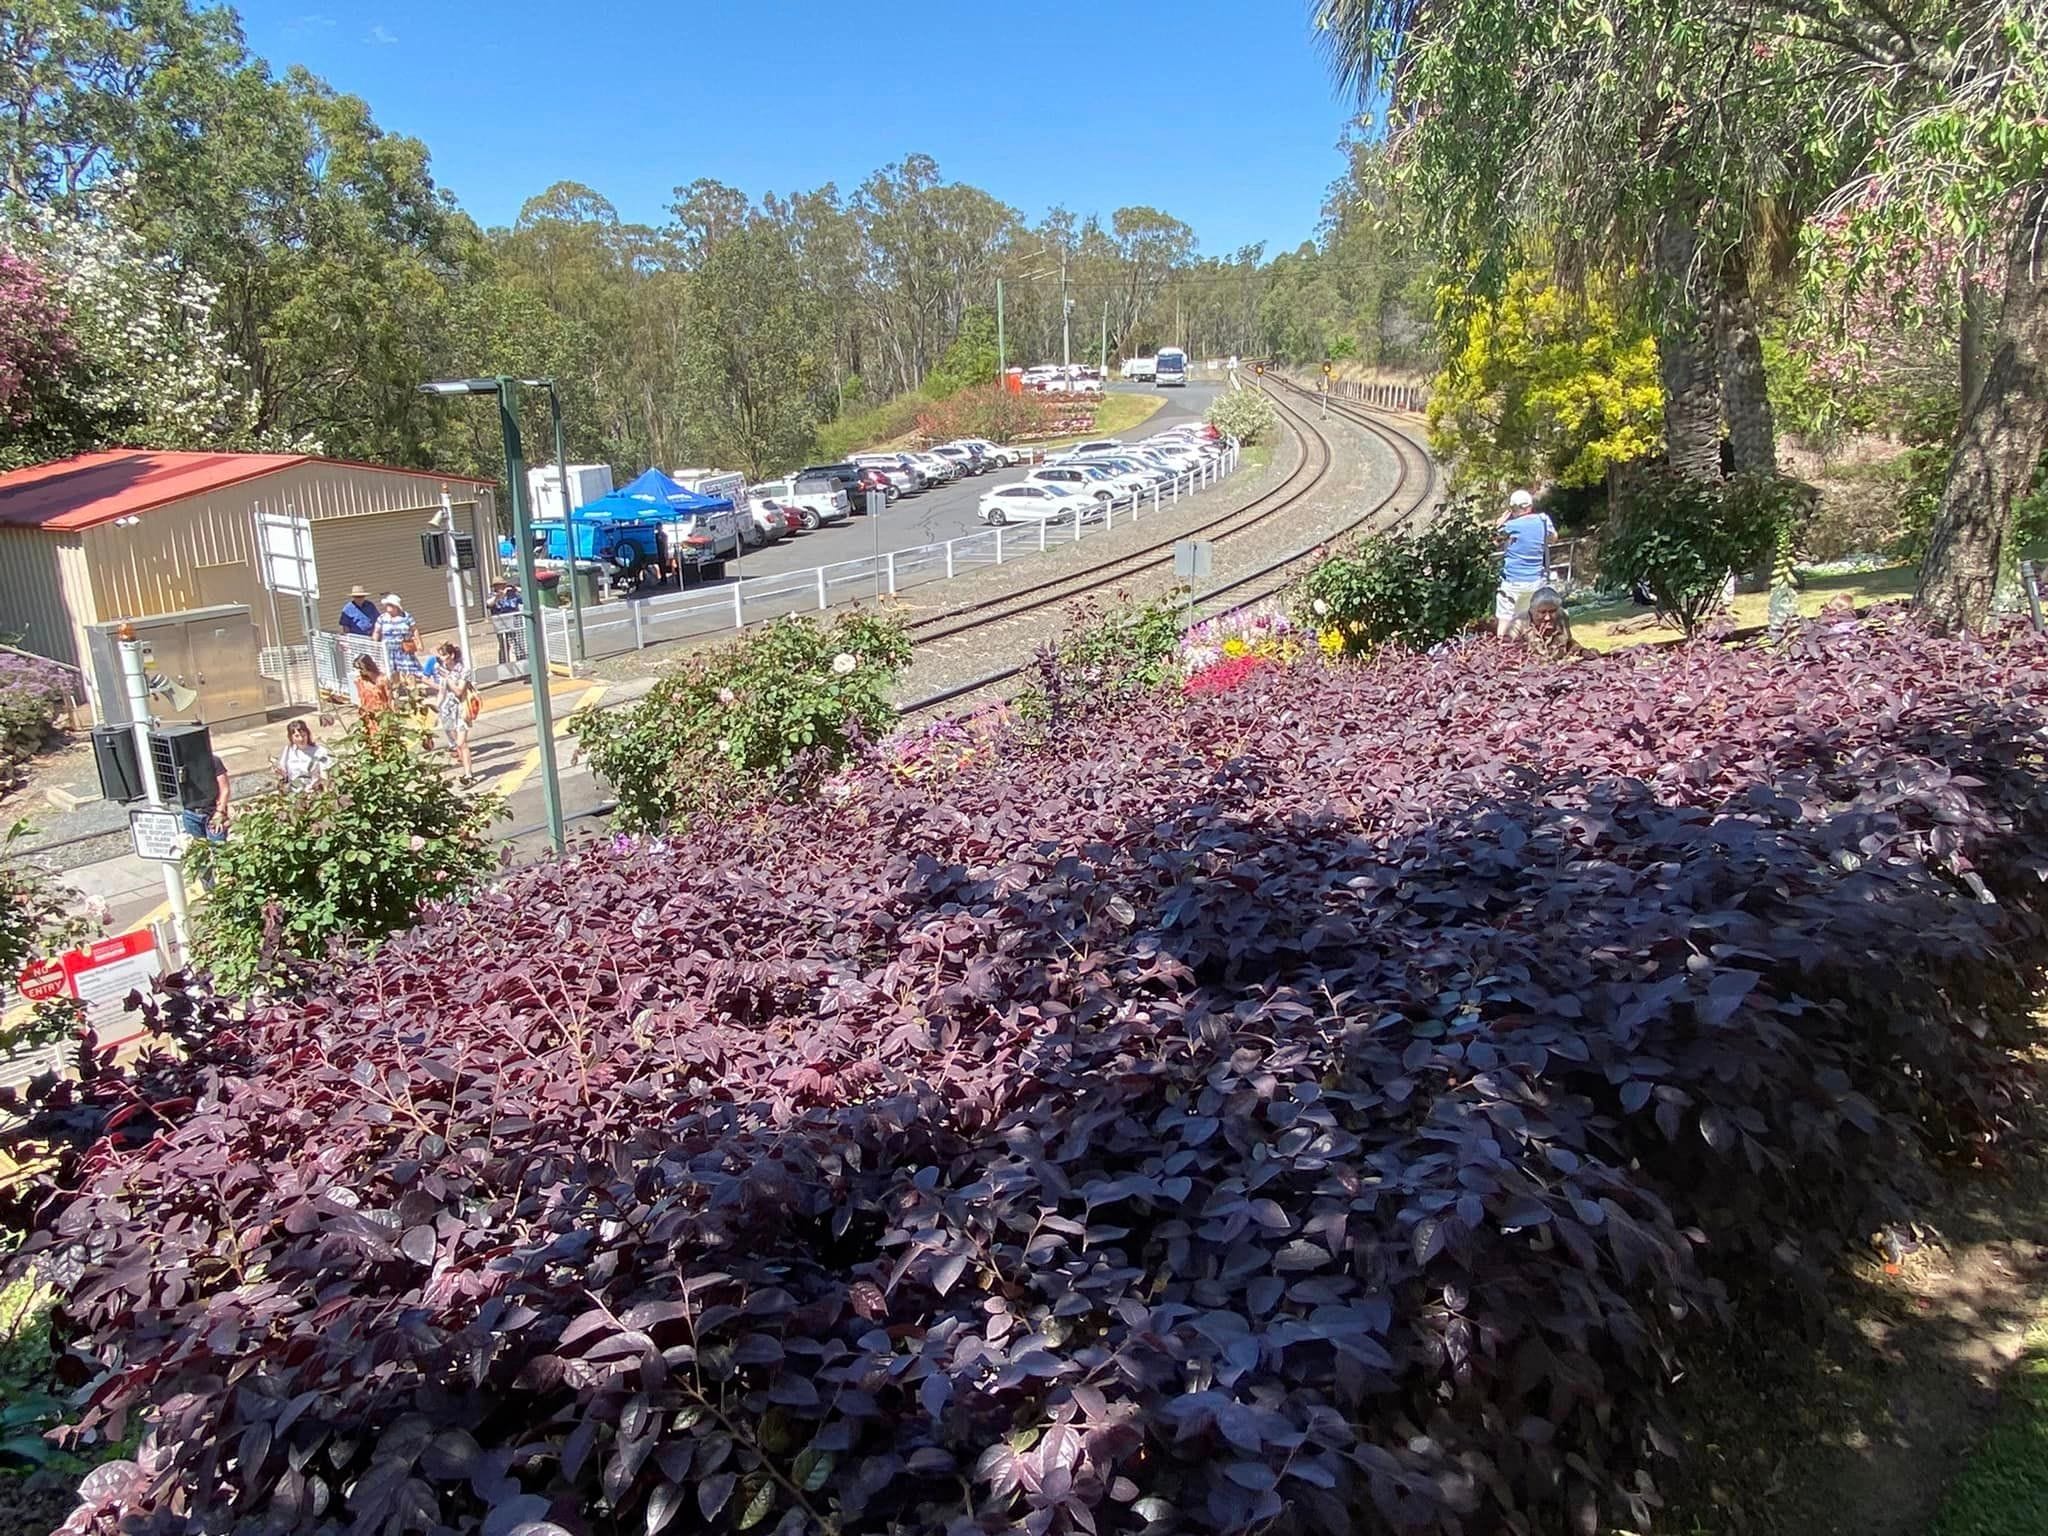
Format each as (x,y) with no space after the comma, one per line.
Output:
(1223,677)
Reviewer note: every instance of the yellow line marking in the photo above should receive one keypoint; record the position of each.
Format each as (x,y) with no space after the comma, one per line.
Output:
(515,777)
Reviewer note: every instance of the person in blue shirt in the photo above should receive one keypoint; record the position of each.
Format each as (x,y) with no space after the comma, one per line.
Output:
(358,614)
(1525,535)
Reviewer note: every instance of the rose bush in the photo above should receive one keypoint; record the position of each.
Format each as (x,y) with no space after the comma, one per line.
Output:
(769,713)
(1402,589)
(345,864)
(1340,1103)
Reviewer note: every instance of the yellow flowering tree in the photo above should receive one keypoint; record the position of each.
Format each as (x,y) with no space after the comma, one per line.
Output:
(1547,384)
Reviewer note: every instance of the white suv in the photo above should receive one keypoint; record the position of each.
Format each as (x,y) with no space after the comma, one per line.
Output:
(817,499)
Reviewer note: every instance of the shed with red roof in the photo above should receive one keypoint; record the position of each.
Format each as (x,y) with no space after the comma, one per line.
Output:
(135,533)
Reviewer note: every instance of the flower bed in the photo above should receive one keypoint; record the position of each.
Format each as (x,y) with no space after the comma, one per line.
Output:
(1343,1098)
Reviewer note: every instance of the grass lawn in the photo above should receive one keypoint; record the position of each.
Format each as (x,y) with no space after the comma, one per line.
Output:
(2002,1489)
(1612,626)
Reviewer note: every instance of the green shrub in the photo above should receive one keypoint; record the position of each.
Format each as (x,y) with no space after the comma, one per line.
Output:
(350,862)
(1245,414)
(1401,589)
(1680,537)
(771,713)
(1107,656)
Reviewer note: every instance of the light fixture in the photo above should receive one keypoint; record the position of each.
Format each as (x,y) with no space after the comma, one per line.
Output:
(459,387)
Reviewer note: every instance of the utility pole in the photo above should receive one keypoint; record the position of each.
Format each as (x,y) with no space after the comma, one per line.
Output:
(1104,364)
(568,511)
(1002,371)
(1066,322)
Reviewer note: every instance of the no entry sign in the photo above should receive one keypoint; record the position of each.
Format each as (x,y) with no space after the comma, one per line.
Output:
(100,975)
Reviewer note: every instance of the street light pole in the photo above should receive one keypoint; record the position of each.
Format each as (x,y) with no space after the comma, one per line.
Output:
(529,586)
(1002,370)
(507,391)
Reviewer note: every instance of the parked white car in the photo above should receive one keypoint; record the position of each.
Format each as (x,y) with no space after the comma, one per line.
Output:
(818,499)
(1028,504)
(1095,445)
(1083,479)
(938,469)
(994,453)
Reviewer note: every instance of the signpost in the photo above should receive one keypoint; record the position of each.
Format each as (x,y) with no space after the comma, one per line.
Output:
(1193,560)
(157,834)
(878,503)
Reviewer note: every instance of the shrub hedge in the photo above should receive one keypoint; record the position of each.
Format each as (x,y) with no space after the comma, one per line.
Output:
(1337,1102)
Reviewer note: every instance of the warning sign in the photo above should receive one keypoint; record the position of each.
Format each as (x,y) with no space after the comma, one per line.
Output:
(100,975)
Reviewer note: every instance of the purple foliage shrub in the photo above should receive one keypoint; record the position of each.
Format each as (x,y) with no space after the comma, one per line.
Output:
(1336,1102)
(32,692)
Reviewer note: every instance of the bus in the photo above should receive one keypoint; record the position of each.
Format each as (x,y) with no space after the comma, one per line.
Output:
(1170,369)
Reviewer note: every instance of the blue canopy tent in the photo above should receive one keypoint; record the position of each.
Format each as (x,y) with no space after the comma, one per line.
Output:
(667,498)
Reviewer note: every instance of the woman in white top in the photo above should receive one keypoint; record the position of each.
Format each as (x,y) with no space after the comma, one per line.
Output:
(304,763)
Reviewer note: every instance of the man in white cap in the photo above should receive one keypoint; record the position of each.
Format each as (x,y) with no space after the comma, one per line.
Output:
(1525,535)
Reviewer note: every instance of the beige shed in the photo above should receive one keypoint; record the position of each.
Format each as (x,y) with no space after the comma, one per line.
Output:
(133,534)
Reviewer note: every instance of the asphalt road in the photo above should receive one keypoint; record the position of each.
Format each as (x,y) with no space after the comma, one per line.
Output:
(945,512)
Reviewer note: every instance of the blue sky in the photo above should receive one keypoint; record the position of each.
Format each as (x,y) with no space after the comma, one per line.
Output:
(1220,113)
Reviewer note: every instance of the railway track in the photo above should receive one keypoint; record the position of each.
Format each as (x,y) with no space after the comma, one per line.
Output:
(1312,468)
(1414,488)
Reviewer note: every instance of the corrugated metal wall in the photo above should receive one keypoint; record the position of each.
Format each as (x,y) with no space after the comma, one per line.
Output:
(383,553)
(200,552)
(186,555)
(34,568)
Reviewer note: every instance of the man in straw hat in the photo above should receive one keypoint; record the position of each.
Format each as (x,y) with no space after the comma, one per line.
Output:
(358,614)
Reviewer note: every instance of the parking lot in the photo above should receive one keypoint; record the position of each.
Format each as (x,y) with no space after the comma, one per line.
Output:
(944,512)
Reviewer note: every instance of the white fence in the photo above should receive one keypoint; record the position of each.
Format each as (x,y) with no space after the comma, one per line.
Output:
(613,628)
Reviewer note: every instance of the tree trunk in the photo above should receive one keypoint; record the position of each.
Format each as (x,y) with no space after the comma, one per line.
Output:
(1998,441)
(1739,355)
(1685,355)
